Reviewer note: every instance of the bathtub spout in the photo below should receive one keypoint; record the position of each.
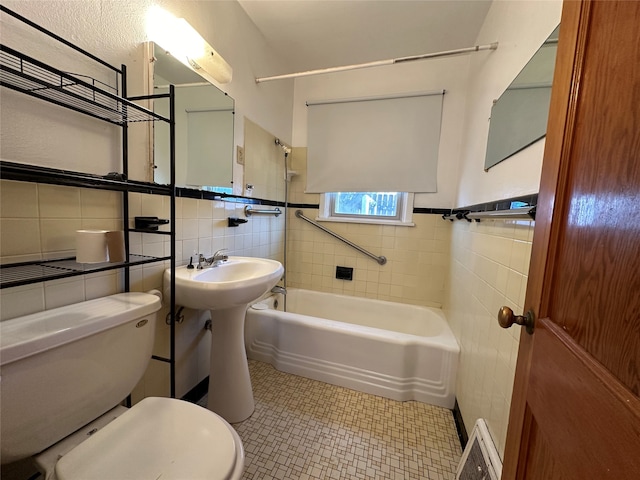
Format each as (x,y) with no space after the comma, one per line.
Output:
(279,289)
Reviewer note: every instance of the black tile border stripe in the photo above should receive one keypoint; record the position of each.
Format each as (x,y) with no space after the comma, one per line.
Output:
(460,428)
(183,192)
(420,210)
(423,210)
(197,392)
(503,204)
(304,205)
(432,211)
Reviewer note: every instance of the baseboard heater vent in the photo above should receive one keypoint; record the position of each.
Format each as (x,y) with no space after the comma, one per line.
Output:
(480,459)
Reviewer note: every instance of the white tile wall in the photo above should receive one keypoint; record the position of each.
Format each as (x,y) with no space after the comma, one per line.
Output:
(19,212)
(58,202)
(18,200)
(38,221)
(489,267)
(416,268)
(23,300)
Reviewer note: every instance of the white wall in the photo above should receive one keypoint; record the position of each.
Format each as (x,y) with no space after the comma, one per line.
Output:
(450,74)
(37,133)
(519,27)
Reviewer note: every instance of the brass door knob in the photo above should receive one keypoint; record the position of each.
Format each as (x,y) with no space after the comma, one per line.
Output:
(506,318)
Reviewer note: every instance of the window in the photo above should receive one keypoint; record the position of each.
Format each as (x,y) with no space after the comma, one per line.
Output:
(391,208)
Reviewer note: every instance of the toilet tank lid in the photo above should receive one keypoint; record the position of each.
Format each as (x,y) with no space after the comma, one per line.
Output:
(26,336)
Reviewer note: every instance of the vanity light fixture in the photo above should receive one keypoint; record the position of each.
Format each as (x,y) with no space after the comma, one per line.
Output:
(184,43)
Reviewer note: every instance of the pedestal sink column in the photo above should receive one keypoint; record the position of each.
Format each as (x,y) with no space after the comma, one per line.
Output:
(226,289)
(230,393)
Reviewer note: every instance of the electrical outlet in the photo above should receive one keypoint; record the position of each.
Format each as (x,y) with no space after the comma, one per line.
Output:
(240,155)
(344,273)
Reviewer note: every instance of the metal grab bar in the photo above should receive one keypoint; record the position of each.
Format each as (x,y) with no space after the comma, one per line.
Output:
(248,211)
(381,260)
(522,213)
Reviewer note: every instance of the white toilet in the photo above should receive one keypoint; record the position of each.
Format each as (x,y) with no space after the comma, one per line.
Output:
(63,373)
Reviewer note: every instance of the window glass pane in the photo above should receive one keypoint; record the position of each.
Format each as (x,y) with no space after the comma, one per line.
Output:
(379,204)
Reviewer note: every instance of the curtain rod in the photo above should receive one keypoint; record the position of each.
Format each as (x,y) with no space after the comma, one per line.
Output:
(207,110)
(379,63)
(186,85)
(311,103)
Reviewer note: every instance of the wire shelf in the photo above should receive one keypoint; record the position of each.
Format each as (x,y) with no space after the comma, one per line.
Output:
(38,174)
(27,75)
(14,275)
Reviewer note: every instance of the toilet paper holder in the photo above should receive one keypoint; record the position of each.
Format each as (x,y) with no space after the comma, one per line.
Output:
(149,223)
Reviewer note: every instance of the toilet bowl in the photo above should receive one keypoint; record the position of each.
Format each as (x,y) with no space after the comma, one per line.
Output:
(63,373)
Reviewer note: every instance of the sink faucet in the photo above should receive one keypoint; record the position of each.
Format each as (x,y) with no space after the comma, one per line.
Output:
(214,260)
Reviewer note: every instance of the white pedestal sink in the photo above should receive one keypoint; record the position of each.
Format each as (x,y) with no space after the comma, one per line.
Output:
(226,290)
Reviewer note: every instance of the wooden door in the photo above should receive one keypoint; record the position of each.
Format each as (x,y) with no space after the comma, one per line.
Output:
(576,404)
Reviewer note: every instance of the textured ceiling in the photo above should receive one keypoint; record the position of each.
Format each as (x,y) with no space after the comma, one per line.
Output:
(311,34)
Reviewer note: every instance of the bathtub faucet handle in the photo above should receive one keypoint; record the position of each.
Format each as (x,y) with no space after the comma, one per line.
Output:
(279,289)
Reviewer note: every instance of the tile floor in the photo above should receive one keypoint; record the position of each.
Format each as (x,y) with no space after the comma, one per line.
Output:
(305,429)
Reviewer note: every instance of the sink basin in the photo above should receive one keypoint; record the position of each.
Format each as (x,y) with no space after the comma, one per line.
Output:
(236,282)
(226,290)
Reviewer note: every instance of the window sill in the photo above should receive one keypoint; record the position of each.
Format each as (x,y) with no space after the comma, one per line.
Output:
(369,221)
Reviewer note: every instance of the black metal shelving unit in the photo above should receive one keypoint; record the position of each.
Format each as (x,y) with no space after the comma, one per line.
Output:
(90,97)
(17,274)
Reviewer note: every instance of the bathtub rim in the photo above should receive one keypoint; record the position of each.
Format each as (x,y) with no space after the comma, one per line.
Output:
(449,339)
(446,340)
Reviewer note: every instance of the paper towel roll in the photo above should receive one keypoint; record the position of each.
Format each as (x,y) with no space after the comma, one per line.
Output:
(91,246)
(115,246)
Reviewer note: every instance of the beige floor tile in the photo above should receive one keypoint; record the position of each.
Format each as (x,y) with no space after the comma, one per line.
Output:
(305,429)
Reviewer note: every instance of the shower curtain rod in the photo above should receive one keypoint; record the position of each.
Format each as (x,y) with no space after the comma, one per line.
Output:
(391,61)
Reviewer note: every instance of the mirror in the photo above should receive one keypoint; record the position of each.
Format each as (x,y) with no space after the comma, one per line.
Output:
(204,118)
(519,116)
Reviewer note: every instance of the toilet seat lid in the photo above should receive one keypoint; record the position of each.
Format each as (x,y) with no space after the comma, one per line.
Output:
(157,438)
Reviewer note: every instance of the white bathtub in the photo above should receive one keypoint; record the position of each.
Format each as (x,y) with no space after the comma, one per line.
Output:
(394,350)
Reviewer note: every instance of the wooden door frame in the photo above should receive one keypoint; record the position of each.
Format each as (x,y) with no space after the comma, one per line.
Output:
(572,42)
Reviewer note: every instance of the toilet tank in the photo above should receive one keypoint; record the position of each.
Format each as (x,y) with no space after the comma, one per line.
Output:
(62,368)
